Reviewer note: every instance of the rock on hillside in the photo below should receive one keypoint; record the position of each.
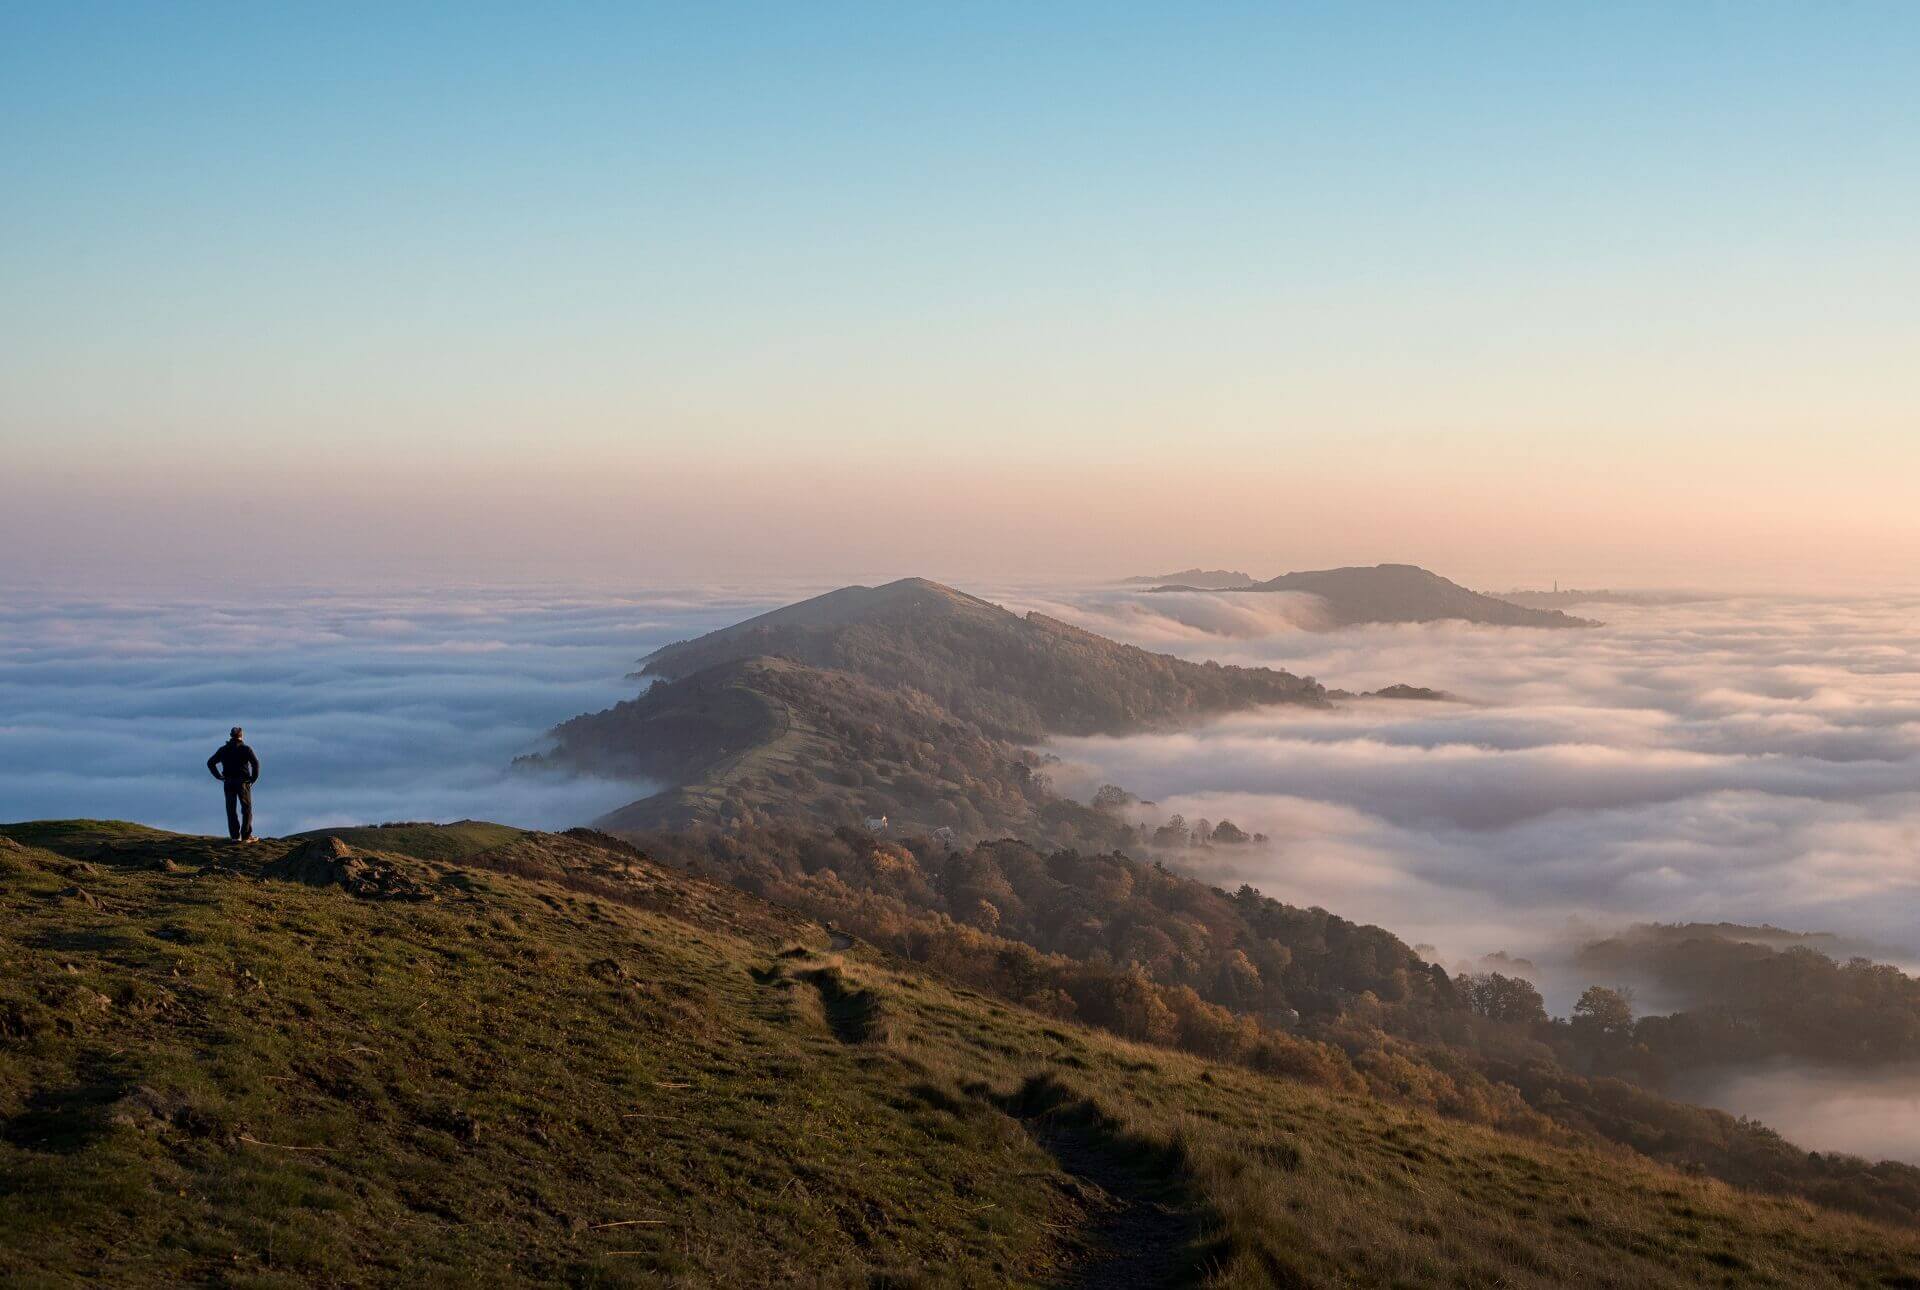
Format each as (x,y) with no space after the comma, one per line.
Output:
(329,862)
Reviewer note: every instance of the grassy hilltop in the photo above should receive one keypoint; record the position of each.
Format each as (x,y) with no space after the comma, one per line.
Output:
(519,1058)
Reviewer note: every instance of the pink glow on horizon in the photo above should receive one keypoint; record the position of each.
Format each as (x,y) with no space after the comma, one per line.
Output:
(1483,523)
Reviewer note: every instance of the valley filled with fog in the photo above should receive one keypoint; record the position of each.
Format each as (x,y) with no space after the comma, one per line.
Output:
(1751,760)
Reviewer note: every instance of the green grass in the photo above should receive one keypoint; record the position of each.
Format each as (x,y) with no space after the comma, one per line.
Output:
(619,1076)
(424,841)
(82,835)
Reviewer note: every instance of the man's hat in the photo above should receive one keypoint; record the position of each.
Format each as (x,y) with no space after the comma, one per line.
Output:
(234,733)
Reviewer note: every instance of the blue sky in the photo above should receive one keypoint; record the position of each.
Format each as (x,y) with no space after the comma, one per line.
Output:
(624,249)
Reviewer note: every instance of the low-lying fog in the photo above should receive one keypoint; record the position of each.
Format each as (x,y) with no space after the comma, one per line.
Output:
(1754,760)
(1874,1114)
(361,707)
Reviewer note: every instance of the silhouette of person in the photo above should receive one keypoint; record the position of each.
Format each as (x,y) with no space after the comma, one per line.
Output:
(235,766)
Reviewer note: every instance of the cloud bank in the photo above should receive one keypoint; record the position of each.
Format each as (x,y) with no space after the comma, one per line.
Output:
(362,708)
(1872,1114)
(1746,759)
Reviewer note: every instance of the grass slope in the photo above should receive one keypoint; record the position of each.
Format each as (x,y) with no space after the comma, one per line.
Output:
(573,1065)
(726,726)
(426,841)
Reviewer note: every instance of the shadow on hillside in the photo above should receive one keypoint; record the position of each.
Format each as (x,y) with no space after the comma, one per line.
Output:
(855,1014)
(1145,1220)
(88,941)
(66,1120)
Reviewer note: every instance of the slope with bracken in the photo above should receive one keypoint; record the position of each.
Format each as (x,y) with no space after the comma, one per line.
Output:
(554,1061)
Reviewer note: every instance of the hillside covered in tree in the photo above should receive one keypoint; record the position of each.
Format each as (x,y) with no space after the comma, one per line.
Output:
(1754,993)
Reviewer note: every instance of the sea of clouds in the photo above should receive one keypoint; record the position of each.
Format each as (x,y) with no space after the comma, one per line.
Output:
(362,707)
(1754,759)
(1872,1113)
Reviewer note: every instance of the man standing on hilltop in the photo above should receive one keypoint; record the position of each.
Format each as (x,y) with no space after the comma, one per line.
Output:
(235,766)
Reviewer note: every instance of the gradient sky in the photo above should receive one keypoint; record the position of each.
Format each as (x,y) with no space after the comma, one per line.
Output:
(1629,293)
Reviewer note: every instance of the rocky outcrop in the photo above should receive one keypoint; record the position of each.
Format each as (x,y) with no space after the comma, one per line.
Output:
(329,862)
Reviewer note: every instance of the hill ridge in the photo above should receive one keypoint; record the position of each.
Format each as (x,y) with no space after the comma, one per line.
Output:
(909,701)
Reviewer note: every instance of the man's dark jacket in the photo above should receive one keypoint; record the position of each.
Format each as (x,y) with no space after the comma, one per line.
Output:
(234,763)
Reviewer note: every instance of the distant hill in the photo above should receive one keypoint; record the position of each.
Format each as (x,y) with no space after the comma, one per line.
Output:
(559,1061)
(1406,593)
(1199,579)
(910,701)
(1410,693)
(1018,678)
(1645,937)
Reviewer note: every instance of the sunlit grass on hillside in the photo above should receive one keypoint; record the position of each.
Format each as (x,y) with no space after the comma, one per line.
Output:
(574,1066)
(423,841)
